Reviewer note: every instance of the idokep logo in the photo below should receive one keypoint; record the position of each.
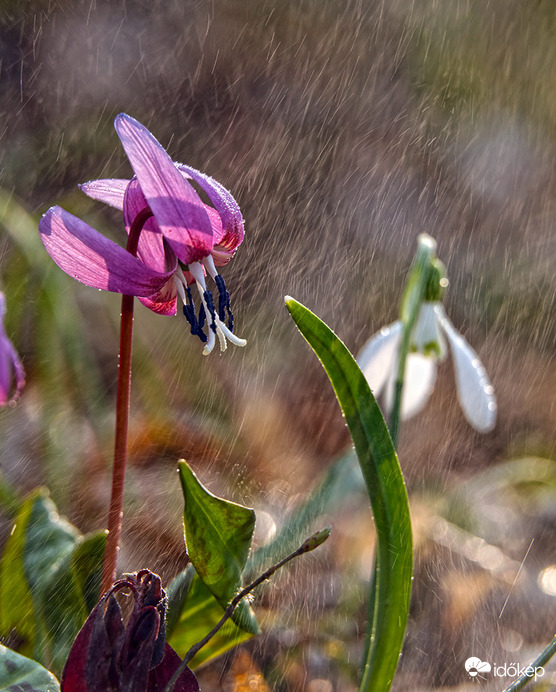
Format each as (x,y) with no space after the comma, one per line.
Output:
(474,666)
(477,668)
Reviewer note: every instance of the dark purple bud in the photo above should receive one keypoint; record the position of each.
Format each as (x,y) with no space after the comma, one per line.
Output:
(110,656)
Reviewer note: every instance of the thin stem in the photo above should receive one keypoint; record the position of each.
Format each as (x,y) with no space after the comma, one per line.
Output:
(412,300)
(398,386)
(310,544)
(543,658)
(115,510)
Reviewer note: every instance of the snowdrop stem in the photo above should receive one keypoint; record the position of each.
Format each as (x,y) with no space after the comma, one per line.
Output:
(398,385)
(414,293)
(115,510)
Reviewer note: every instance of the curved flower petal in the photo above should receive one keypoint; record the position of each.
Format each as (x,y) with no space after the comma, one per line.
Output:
(224,203)
(93,259)
(178,209)
(378,356)
(10,364)
(419,381)
(152,250)
(427,335)
(110,191)
(475,392)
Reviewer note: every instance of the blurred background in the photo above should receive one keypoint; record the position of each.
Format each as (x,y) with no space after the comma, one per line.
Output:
(344,129)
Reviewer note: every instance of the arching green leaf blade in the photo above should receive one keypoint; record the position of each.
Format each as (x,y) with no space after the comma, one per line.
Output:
(387,494)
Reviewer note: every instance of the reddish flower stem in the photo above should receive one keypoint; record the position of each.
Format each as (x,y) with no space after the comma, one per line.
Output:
(115,510)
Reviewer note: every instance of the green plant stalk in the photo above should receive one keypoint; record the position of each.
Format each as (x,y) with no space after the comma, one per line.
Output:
(387,494)
(115,509)
(412,300)
(543,658)
(310,544)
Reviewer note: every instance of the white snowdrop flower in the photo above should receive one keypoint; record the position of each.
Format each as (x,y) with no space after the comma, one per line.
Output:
(378,359)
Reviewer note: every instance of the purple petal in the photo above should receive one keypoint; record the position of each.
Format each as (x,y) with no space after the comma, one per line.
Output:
(10,364)
(178,209)
(110,191)
(225,205)
(93,259)
(161,675)
(152,251)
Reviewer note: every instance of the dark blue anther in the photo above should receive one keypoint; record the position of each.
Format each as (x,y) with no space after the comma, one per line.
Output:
(202,316)
(224,302)
(189,312)
(207,295)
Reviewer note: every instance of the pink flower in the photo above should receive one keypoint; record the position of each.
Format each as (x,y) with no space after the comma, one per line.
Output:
(10,364)
(180,244)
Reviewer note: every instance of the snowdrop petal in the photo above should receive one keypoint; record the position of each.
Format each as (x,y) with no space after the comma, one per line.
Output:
(419,381)
(427,335)
(475,392)
(378,356)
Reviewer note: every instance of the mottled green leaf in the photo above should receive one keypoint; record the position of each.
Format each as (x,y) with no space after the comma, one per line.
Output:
(218,536)
(49,581)
(21,674)
(17,622)
(192,612)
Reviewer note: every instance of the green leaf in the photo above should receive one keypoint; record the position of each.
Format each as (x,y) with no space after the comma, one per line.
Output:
(17,621)
(49,581)
(387,494)
(20,673)
(218,536)
(192,612)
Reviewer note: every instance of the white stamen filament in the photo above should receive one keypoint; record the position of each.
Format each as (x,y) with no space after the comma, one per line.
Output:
(210,266)
(179,281)
(222,330)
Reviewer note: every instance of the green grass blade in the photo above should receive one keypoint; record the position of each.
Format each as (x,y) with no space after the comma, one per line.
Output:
(387,494)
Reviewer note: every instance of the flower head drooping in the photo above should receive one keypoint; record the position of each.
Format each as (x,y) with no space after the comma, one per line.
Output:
(182,242)
(10,364)
(379,357)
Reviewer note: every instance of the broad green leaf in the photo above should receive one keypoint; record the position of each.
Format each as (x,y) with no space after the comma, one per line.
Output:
(20,673)
(192,612)
(49,581)
(17,622)
(387,494)
(63,601)
(86,566)
(218,536)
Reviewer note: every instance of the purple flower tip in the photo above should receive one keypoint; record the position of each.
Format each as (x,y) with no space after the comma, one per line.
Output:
(11,367)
